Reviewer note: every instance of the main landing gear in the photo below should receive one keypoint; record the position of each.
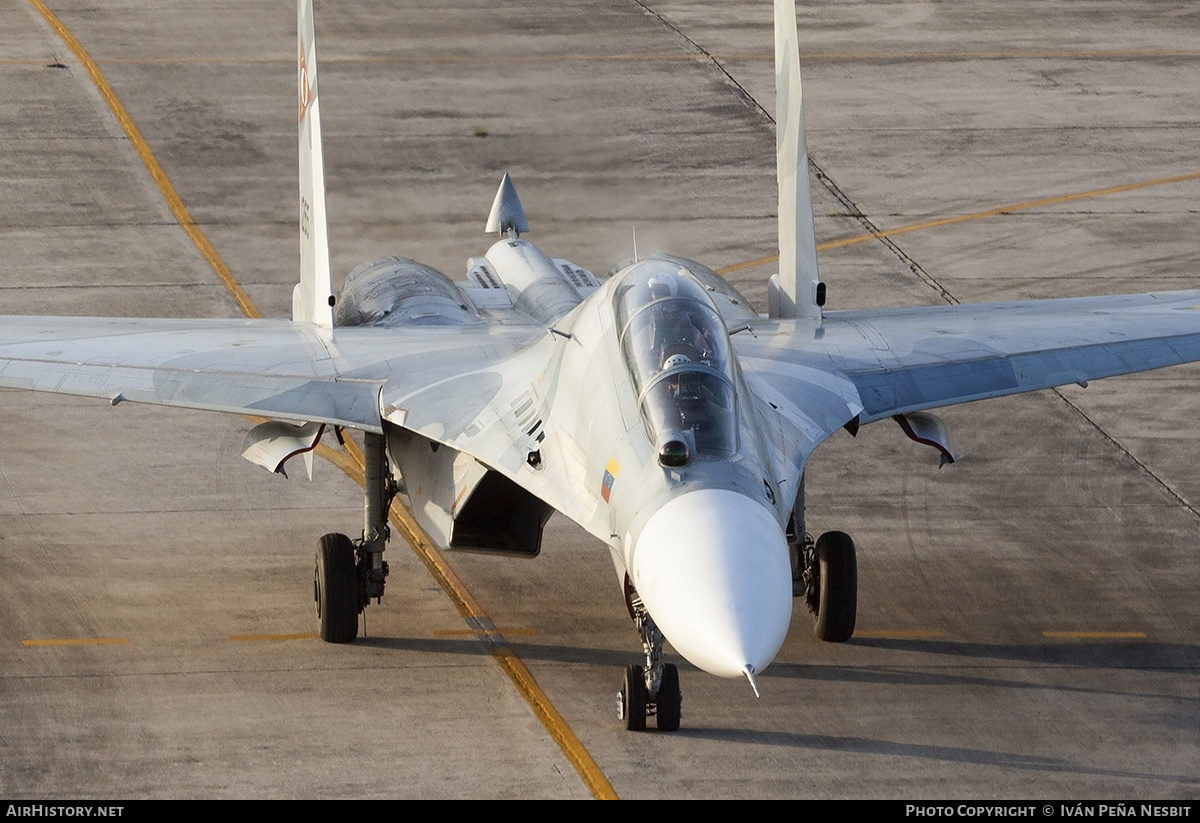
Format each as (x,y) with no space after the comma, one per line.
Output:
(651,690)
(826,574)
(349,573)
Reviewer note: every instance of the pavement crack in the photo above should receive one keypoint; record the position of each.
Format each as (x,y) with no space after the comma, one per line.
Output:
(1149,472)
(747,97)
(852,209)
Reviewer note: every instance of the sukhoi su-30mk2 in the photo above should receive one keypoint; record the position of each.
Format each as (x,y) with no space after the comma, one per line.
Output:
(655,407)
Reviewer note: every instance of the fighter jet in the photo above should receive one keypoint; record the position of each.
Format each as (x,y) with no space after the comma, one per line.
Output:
(654,407)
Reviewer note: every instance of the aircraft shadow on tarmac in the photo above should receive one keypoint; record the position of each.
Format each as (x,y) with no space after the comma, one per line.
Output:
(1183,658)
(905,675)
(1108,653)
(948,754)
(1174,658)
(1178,713)
(475,646)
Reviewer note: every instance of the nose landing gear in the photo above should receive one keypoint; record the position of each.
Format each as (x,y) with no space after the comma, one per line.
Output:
(651,690)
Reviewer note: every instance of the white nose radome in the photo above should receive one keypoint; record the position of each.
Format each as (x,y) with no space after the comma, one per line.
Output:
(712,568)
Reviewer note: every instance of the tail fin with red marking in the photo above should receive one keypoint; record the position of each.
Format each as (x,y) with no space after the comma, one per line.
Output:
(312,299)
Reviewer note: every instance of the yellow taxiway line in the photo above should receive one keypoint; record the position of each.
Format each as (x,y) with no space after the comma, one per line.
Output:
(471,610)
(976,215)
(1029,204)
(467,605)
(174,203)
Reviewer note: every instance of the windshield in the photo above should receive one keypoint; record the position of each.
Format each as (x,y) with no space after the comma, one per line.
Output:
(677,350)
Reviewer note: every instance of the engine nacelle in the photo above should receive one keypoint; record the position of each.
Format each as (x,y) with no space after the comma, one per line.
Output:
(396,291)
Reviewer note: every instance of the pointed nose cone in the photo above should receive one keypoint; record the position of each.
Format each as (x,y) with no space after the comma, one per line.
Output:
(712,568)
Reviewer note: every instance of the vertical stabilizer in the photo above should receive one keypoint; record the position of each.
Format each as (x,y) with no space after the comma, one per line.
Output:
(795,292)
(312,299)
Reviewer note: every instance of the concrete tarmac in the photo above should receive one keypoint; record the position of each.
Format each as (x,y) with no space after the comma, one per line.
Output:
(1027,618)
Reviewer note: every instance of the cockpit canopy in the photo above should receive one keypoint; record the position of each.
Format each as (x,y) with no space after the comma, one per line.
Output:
(677,350)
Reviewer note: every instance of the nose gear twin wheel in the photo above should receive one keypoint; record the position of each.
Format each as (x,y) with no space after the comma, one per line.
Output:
(634,703)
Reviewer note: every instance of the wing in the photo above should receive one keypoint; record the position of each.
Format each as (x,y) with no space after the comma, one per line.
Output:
(892,361)
(273,368)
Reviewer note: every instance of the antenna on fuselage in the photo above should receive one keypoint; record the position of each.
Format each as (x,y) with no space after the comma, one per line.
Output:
(796,291)
(507,214)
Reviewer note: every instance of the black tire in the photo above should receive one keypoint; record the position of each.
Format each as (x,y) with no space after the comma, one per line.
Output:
(670,700)
(335,588)
(633,699)
(839,587)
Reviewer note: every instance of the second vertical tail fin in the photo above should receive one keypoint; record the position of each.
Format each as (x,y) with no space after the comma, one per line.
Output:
(794,294)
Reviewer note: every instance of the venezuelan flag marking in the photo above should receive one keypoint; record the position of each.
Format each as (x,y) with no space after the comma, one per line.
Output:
(610,477)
